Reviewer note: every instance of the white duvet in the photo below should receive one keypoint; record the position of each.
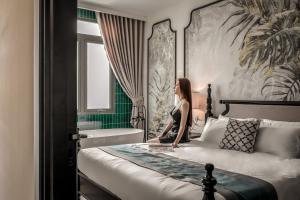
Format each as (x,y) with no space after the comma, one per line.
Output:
(131,182)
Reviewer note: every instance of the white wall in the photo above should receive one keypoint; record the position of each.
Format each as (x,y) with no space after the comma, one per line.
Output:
(16,100)
(180,17)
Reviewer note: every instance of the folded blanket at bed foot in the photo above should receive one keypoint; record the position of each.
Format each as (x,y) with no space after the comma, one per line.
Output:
(233,186)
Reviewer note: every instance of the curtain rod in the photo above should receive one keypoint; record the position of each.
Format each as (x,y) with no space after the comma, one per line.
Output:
(98,8)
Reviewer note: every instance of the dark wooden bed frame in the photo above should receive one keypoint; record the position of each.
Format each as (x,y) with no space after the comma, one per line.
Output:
(93,191)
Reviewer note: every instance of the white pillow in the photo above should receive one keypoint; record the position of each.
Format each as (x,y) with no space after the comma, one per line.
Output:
(213,132)
(280,141)
(222,117)
(278,124)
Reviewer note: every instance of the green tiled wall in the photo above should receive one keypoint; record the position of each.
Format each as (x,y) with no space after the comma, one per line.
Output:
(121,117)
(86,14)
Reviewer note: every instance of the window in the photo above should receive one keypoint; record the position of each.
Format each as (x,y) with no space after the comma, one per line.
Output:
(94,82)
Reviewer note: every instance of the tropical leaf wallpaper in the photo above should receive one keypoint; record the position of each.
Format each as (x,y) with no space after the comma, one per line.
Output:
(253,43)
(161,76)
(270,44)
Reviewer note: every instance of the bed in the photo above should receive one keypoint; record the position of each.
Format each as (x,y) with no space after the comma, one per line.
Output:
(107,175)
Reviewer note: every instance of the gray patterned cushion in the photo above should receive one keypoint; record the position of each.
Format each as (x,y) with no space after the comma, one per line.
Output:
(240,135)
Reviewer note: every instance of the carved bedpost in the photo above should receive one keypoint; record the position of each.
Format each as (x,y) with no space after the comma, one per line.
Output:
(208,102)
(209,182)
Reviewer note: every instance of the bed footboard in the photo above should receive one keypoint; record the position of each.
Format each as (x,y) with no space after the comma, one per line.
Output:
(209,183)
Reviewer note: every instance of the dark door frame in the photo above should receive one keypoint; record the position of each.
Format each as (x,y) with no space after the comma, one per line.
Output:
(57,99)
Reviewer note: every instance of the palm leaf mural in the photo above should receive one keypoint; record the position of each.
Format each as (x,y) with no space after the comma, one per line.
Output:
(271,43)
(284,83)
(159,89)
(274,43)
(252,13)
(161,75)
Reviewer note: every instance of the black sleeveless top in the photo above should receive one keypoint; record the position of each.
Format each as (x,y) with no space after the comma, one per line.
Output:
(176,115)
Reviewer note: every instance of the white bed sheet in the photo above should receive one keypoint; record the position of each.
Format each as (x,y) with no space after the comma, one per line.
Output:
(131,182)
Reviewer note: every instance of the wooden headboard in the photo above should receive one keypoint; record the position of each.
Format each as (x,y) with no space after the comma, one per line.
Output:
(274,110)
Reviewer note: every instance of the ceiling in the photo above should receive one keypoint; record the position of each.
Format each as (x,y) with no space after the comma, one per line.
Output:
(143,8)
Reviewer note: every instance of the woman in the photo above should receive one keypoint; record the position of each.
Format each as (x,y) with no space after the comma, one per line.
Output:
(181,116)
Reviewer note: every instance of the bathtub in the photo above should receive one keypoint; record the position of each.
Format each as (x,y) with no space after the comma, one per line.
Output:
(105,137)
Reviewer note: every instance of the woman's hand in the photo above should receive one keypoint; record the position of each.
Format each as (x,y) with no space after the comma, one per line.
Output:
(175,144)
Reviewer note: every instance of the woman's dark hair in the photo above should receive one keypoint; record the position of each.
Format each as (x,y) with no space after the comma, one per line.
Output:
(185,88)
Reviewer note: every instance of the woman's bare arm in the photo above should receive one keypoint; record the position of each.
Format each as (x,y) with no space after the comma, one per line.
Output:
(184,108)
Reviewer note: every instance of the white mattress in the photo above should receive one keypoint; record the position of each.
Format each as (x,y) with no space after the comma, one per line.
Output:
(131,182)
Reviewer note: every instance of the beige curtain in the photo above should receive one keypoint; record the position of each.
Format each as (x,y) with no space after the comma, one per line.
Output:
(123,41)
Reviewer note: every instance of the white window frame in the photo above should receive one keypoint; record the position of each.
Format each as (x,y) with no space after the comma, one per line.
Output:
(83,40)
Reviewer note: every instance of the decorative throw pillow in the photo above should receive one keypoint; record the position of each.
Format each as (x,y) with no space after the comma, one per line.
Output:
(240,135)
